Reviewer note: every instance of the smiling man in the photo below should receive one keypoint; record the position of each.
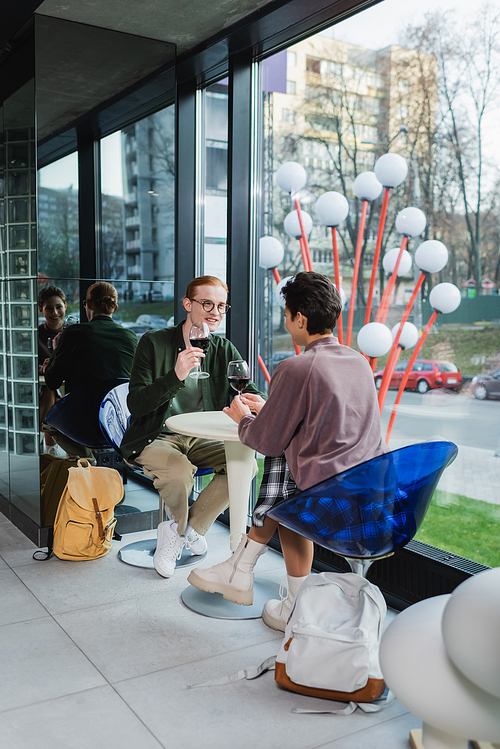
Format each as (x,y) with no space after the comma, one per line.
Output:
(160,387)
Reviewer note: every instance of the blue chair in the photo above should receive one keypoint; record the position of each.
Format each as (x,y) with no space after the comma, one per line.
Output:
(77,416)
(114,417)
(369,511)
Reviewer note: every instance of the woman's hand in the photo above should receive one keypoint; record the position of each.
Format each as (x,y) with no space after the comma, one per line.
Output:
(237,410)
(44,366)
(253,401)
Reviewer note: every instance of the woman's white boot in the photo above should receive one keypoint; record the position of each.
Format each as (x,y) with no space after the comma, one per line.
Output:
(275,613)
(234,577)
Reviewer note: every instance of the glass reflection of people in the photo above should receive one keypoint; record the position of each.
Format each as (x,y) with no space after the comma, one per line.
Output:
(52,305)
(320,419)
(89,352)
(160,387)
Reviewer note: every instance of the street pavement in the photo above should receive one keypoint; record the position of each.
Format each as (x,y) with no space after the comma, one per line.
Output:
(440,416)
(475,473)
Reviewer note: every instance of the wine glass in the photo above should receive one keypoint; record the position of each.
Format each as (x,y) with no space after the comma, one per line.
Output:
(238,375)
(199,337)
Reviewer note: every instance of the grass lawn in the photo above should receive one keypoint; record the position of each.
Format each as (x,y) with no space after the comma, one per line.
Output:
(467,527)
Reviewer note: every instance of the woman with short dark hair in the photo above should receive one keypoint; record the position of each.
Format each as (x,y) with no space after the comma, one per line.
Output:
(320,419)
(52,305)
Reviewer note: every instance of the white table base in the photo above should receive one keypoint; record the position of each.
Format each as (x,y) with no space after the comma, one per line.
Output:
(215,606)
(240,462)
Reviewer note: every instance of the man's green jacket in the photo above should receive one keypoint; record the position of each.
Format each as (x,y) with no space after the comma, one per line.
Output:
(154,384)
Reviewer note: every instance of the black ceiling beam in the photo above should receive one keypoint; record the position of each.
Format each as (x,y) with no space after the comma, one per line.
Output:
(14,17)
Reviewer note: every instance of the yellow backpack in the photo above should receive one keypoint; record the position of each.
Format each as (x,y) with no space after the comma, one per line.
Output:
(85,519)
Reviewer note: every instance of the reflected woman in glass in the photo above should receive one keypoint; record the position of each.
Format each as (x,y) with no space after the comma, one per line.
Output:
(52,305)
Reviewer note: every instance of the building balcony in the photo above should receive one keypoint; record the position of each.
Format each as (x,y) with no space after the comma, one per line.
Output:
(132,221)
(134,244)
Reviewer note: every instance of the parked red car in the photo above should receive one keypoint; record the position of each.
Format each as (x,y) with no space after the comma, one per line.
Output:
(426,374)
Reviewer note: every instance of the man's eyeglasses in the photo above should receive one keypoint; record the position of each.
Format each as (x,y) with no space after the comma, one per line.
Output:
(85,302)
(208,306)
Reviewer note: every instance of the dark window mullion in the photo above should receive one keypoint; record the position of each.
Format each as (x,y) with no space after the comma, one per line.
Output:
(239,204)
(185,203)
(88,210)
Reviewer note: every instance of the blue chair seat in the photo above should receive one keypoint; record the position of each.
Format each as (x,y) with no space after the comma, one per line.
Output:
(77,414)
(373,509)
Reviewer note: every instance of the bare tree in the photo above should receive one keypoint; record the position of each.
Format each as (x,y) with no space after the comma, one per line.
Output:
(468,75)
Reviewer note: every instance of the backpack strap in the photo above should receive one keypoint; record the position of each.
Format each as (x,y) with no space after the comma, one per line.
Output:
(366,707)
(253,672)
(98,517)
(44,555)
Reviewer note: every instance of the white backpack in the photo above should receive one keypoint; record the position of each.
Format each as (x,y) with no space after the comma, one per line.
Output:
(331,642)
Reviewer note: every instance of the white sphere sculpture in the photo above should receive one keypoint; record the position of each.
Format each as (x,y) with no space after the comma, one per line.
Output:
(391,169)
(279,296)
(374,339)
(445,298)
(366,186)
(390,258)
(408,337)
(431,256)
(291,224)
(291,177)
(417,669)
(331,208)
(411,221)
(271,252)
(471,630)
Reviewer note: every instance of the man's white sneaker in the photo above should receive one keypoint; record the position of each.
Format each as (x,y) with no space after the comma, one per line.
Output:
(169,546)
(195,543)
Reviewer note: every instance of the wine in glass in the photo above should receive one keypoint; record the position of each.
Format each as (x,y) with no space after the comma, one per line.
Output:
(199,337)
(238,375)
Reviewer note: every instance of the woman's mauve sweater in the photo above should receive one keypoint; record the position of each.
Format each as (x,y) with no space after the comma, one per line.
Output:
(322,411)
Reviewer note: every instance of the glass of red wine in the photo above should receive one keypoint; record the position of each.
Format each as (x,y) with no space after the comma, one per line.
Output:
(199,337)
(238,375)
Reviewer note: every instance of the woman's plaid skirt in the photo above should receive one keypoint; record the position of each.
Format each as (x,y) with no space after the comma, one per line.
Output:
(277,485)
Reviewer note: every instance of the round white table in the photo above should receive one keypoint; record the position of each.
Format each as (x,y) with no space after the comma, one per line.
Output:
(240,459)
(216,425)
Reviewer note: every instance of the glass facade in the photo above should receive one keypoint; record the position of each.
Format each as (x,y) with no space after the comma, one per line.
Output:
(58,228)
(213,178)
(335,102)
(19,480)
(138,218)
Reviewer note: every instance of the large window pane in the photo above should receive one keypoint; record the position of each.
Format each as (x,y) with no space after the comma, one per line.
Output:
(137,191)
(58,240)
(335,103)
(214,178)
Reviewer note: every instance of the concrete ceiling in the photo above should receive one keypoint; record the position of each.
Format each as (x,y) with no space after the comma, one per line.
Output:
(185,23)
